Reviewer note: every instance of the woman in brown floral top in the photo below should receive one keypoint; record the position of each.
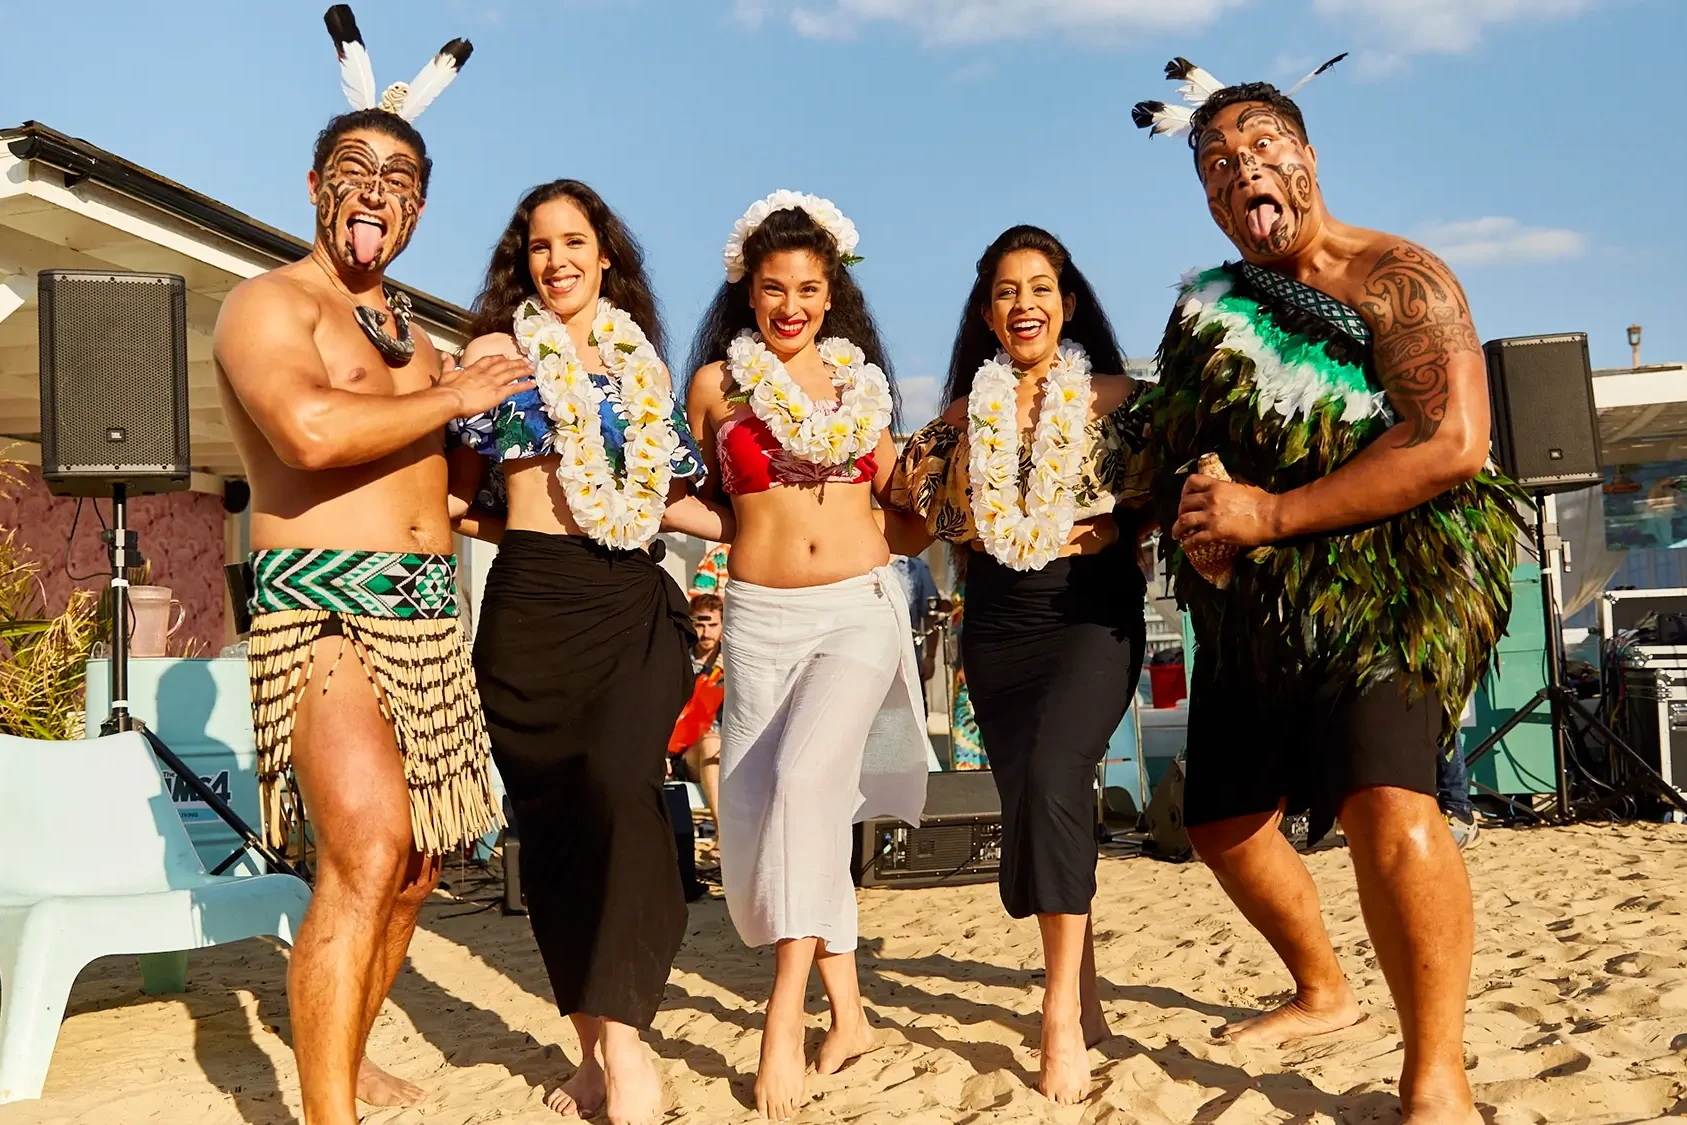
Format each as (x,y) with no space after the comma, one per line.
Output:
(1053,639)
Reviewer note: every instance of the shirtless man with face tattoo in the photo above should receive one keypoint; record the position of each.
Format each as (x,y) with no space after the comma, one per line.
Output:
(1336,370)
(340,427)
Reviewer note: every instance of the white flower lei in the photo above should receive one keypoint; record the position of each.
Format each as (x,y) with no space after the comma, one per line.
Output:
(824,212)
(627,514)
(1027,532)
(814,434)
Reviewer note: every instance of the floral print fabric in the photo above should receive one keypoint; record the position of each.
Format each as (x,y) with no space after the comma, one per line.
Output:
(931,478)
(519,428)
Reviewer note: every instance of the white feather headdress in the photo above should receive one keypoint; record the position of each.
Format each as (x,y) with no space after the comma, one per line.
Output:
(1198,86)
(357,75)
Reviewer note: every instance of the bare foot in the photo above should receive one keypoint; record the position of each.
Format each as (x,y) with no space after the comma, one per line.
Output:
(1300,1018)
(847,1039)
(376,1087)
(779,1078)
(1065,1079)
(634,1088)
(583,1094)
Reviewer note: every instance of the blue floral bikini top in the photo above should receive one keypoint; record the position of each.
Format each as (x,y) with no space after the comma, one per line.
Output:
(519,428)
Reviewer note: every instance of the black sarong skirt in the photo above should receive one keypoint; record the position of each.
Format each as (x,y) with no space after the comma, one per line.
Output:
(1052,658)
(582,654)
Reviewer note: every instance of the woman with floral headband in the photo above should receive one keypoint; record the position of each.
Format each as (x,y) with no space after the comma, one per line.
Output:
(1030,468)
(583,647)
(794,399)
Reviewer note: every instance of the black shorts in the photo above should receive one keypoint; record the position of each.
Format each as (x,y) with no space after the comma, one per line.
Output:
(1251,749)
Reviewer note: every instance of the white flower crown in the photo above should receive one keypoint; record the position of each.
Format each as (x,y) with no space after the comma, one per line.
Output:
(823,211)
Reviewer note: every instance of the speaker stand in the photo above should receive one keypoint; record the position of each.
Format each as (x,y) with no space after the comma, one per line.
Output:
(123,550)
(1560,699)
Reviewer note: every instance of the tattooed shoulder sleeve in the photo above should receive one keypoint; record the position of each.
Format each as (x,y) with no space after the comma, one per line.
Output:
(1421,323)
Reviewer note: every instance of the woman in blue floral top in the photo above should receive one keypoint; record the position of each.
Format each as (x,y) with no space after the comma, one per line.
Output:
(583,646)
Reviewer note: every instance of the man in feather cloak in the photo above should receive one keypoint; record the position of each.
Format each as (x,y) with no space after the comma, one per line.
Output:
(1344,550)
(363,694)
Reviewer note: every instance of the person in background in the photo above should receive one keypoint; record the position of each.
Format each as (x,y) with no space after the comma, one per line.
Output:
(698,755)
(966,746)
(922,594)
(711,574)
(1452,787)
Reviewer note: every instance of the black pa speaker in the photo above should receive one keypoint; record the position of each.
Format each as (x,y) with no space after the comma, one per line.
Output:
(959,838)
(113,382)
(1546,430)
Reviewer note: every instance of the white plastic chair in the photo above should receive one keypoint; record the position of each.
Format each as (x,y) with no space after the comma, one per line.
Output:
(94,861)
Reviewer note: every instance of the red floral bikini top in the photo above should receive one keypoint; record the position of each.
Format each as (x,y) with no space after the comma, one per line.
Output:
(752,460)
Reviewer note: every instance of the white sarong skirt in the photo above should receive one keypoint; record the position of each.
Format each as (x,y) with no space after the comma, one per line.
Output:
(822,728)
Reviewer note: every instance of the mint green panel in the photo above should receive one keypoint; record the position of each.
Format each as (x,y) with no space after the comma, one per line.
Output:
(1522,763)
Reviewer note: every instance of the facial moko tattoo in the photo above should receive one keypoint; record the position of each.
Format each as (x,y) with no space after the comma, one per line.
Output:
(366,207)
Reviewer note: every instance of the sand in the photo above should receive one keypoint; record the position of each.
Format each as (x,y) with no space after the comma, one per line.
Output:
(1578,1009)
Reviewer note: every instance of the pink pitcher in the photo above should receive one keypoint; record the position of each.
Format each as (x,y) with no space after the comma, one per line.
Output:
(149,619)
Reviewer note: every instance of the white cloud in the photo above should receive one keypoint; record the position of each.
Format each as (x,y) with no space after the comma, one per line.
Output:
(751,13)
(1391,30)
(1387,30)
(1497,240)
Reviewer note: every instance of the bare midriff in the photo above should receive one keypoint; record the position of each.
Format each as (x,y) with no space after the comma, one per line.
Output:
(806,535)
(395,504)
(536,498)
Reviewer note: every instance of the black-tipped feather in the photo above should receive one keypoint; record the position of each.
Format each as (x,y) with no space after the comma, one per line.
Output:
(1329,64)
(357,75)
(440,72)
(1142,114)
(1198,85)
(1296,88)
(458,49)
(342,25)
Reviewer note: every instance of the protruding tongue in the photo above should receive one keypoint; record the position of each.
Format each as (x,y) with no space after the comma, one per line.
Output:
(1261,218)
(365,243)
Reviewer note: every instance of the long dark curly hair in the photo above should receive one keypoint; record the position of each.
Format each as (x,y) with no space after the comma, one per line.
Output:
(730,312)
(1089,326)
(509,281)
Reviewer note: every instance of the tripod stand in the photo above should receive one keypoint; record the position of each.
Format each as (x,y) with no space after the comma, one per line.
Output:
(124,552)
(1566,710)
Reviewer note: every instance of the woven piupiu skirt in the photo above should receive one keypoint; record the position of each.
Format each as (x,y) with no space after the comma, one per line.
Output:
(399,613)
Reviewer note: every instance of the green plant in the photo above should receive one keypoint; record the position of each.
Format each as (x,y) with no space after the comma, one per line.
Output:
(43,658)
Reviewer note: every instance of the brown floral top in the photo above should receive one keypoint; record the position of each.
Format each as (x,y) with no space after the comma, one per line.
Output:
(931,478)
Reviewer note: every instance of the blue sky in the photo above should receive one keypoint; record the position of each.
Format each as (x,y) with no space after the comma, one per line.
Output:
(1519,138)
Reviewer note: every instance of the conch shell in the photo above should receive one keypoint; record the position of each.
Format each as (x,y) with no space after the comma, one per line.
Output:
(1216,562)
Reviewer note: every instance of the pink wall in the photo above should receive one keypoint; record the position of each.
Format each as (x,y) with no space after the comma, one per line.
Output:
(181,534)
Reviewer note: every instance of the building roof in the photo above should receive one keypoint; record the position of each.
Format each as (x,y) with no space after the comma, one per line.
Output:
(67,204)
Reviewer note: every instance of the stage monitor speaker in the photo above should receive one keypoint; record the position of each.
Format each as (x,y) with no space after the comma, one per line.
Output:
(113,382)
(1546,430)
(959,838)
